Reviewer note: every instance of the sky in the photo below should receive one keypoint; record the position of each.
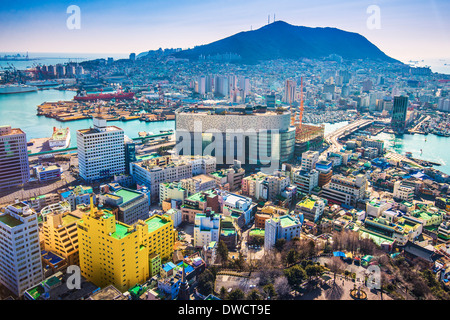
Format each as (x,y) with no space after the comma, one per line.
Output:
(414,29)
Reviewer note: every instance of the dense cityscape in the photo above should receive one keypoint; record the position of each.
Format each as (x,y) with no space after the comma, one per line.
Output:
(243,193)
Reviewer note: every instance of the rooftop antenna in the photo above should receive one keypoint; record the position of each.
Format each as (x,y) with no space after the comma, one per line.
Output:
(274,17)
(268,18)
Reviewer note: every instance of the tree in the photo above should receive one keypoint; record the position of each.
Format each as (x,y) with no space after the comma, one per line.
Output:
(336,265)
(295,276)
(313,270)
(269,291)
(205,282)
(222,251)
(311,249)
(254,295)
(282,287)
(236,294)
(279,244)
(223,293)
(291,257)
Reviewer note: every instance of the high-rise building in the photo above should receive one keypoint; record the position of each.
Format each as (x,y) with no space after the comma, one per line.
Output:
(289,91)
(398,121)
(60,232)
(101,150)
(14,166)
(270,100)
(309,160)
(115,253)
(132,56)
(252,134)
(132,205)
(20,252)
(306,181)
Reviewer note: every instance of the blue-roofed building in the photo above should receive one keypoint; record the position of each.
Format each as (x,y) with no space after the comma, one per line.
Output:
(167,269)
(78,195)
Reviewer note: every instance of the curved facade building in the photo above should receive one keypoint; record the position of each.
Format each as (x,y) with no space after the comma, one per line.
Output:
(251,134)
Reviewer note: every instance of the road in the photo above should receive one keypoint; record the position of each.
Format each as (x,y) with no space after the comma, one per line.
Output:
(333,137)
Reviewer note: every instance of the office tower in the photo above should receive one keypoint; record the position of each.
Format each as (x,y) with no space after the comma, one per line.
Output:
(398,121)
(270,100)
(131,205)
(112,252)
(283,227)
(272,136)
(201,85)
(309,160)
(329,88)
(60,70)
(289,91)
(79,70)
(209,83)
(101,150)
(367,85)
(20,252)
(130,155)
(60,232)
(14,167)
(132,56)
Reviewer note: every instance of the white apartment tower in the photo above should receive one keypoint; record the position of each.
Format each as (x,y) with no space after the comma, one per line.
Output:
(101,150)
(14,167)
(20,252)
(309,160)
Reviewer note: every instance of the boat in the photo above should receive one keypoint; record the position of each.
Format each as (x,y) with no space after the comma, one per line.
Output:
(60,138)
(16,88)
(104,96)
(42,83)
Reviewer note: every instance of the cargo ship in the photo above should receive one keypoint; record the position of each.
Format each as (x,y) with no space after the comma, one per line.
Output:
(104,96)
(16,88)
(60,139)
(43,83)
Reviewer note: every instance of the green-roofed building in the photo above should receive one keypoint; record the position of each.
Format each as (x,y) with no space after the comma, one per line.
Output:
(132,205)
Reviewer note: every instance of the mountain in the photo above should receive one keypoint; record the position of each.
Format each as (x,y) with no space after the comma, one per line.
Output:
(280,40)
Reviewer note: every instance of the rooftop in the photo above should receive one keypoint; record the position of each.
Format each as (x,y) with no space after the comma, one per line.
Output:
(127,194)
(9,220)
(154,223)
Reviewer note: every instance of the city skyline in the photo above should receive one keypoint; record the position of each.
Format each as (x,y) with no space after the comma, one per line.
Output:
(408,30)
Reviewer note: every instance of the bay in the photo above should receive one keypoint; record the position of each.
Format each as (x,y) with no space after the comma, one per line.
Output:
(19,111)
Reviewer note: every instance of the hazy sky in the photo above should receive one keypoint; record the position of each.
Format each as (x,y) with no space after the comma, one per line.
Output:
(409,29)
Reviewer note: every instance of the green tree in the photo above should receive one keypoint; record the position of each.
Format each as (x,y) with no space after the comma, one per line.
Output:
(295,275)
(205,282)
(279,244)
(313,270)
(222,251)
(223,293)
(291,257)
(236,294)
(269,291)
(254,295)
